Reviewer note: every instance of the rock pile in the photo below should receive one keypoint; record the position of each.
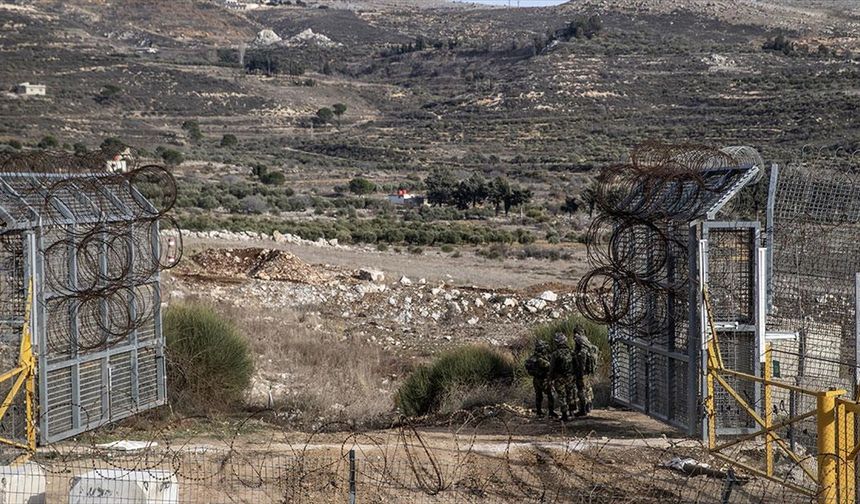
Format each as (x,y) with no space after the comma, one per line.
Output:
(259,263)
(248,236)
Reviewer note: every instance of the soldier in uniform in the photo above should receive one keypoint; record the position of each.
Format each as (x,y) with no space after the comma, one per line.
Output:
(537,365)
(563,372)
(586,358)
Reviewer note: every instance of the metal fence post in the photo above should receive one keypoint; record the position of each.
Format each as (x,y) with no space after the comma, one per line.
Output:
(351,476)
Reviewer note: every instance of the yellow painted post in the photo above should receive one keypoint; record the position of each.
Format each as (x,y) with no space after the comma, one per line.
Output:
(768,409)
(827,453)
(844,446)
(845,443)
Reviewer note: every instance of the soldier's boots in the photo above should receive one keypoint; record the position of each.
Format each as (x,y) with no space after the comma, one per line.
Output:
(539,413)
(584,409)
(553,414)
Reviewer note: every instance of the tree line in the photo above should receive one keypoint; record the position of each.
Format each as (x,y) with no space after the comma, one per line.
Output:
(443,188)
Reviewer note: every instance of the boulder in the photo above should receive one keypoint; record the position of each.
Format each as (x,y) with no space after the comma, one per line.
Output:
(371,275)
(549,296)
(404,280)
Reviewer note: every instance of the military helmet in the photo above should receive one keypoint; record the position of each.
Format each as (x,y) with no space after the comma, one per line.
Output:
(540,345)
(560,339)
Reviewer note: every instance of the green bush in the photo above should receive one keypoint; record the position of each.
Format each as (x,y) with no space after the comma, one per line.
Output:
(48,142)
(465,367)
(229,140)
(209,363)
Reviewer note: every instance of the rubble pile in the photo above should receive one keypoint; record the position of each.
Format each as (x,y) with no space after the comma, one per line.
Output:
(260,263)
(284,266)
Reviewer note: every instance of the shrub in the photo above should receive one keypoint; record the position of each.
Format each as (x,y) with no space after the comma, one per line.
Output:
(229,140)
(192,128)
(111,146)
(48,142)
(172,157)
(465,367)
(209,365)
(361,186)
(253,204)
(15,144)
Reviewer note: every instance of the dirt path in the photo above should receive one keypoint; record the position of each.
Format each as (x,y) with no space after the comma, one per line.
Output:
(432,265)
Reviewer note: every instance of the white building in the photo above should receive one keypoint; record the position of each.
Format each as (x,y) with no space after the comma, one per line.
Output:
(27,89)
(404,198)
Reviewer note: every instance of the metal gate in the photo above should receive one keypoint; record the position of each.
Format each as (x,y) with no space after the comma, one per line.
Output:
(729,265)
(85,385)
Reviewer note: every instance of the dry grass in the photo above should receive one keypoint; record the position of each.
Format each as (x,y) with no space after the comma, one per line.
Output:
(312,371)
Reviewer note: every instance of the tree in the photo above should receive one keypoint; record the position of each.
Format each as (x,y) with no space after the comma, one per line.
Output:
(472,191)
(361,186)
(324,115)
(499,191)
(268,177)
(229,140)
(192,127)
(48,142)
(339,109)
(519,196)
(570,206)
(440,184)
(172,157)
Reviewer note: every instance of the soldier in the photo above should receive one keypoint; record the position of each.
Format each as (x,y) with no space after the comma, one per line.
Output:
(563,372)
(537,366)
(586,356)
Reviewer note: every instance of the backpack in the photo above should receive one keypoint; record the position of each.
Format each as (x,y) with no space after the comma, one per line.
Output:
(587,360)
(563,363)
(588,353)
(537,366)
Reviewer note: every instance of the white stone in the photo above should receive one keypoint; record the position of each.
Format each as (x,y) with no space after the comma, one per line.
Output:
(509,302)
(472,321)
(22,484)
(549,296)
(478,302)
(535,304)
(404,280)
(422,281)
(435,291)
(109,486)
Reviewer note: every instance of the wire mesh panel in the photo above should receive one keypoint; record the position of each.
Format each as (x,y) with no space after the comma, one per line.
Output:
(731,254)
(815,259)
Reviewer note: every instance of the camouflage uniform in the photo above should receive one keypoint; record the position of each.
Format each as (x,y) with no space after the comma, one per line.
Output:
(586,357)
(538,365)
(563,372)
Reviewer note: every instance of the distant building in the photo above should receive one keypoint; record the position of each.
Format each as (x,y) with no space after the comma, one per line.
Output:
(119,163)
(27,89)
(403,197)
(235,5)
